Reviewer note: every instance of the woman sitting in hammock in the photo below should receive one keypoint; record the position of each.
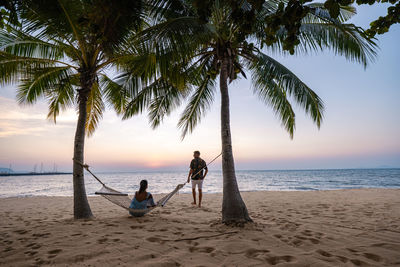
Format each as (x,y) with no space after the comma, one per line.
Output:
(142,200)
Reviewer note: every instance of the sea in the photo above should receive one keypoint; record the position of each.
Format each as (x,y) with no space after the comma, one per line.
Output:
(163,182)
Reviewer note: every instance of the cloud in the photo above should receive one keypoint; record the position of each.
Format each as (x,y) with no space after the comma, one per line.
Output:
(28,120)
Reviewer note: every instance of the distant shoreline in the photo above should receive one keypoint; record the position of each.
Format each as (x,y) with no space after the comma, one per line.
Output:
(34,173)
(212,170)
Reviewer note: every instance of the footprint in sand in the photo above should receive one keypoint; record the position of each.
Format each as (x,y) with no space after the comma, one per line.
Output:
(202,249)
(323,253)
(373,257)
(7,249)
(41,235)
(23,239)
(153,239)
(53,253)
(30,252)
(21,232)
(342,258)
(358,262)
(40,261)
(102,240)
(312,240)
(352,250)
(255,253)
(76,234)
(145,257)
(118,233)
(34,246)
(307,232)
(8,242)
(274,260)
(297,242)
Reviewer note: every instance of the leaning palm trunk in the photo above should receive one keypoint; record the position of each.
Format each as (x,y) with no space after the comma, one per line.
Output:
(233,207)
(81,204)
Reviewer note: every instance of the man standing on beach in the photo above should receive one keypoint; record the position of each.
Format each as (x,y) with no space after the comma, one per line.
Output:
(197,165)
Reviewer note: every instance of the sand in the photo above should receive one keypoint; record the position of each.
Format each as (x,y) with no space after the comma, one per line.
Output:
(319,228)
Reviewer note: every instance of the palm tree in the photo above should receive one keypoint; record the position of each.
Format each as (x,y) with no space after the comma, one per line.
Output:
(63,53)
(218,48)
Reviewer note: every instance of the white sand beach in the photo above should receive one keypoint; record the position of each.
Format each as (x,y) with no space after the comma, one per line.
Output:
(317,228)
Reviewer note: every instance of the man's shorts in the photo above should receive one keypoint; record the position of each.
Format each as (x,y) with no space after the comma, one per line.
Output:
(199,184)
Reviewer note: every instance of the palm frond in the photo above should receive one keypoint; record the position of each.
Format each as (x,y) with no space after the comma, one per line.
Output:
(18,43)
(319,32)
(14,68)
(199,102)
(181,36)
(95,109)
(274,83)
(141,99)
(114,94)
(164,102)
(319,13)
(59,99)
(40,82)
(274,95)
(346,40)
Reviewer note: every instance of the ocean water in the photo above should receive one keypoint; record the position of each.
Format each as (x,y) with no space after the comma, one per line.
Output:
(163,182)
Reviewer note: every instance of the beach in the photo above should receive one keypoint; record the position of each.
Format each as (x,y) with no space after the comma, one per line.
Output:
(357,227)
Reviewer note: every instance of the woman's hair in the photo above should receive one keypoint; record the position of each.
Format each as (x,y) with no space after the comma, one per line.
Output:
(143,186)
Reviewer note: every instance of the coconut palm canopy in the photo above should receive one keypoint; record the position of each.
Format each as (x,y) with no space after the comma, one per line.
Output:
(201,46)
(63,52)
(220,48)
(62,41)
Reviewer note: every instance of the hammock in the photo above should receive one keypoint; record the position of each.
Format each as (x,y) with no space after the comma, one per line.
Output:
(123,200)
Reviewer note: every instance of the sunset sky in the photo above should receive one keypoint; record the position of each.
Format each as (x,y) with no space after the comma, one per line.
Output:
(361,127)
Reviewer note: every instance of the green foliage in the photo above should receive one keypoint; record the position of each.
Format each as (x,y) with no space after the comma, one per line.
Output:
(199,102)
(275,84)
(67,46)
(8,14)
(203,41)
(382,24)
(318,31)
(289,14)
(95,109)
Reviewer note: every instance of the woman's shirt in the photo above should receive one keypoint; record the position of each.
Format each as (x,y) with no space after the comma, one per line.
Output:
(141,205)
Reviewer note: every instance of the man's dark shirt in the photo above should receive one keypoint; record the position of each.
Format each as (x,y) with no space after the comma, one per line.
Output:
(196,165)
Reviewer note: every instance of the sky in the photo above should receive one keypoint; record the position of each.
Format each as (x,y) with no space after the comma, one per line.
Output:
(361,127)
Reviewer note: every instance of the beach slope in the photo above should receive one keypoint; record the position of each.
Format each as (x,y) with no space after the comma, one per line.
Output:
(315,228)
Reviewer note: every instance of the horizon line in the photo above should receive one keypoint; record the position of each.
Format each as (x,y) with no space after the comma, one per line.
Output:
(218,170)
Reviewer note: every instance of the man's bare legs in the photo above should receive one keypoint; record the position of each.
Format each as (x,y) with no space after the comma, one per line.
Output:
(194,196)
(200,197)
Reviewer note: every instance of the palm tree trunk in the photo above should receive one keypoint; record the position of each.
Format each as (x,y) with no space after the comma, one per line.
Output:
(233,207)
(81,204)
